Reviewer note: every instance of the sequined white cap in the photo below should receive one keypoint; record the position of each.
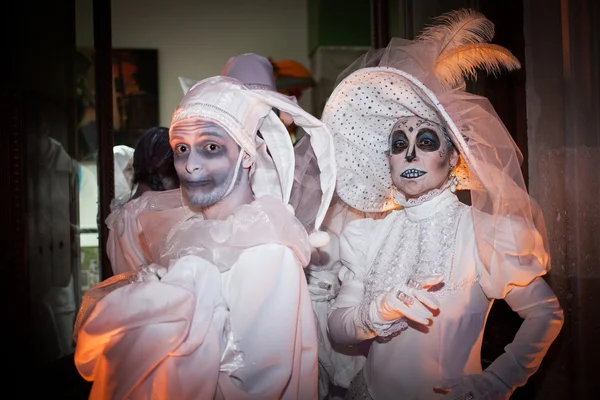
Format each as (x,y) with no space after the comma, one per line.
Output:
(426,78)
(361,112)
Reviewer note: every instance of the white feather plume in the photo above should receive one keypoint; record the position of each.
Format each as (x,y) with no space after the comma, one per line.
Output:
(458,28)
(452,67)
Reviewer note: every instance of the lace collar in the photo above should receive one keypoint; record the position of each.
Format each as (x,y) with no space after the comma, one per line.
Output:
(427,204)
(401,200)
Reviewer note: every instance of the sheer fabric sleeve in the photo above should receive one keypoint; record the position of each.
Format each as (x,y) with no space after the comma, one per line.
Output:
(126,247)
(354,245)
(272,327)
(156,338)
(508,267)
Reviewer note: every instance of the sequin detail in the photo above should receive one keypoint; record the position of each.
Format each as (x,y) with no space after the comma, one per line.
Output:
(401,200)
(358,389)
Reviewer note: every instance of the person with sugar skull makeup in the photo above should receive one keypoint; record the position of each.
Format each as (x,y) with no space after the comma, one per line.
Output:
(420,282)
(223,311)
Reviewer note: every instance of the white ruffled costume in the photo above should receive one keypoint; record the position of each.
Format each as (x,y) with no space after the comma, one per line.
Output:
(492,249)
(437,237)
(223,310)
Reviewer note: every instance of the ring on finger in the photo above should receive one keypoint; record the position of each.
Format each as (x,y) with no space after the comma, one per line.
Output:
(403,297)
(411,283)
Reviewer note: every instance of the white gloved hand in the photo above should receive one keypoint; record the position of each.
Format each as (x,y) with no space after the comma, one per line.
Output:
(322,285)
(408,300)
(484,386)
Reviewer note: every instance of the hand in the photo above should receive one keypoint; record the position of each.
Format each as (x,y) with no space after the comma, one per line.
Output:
(410,299)
(484,386)
(322,285)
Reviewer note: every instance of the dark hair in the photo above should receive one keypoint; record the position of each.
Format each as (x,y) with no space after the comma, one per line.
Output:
(153,159)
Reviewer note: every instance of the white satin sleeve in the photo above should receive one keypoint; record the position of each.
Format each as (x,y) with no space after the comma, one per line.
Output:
(126,247)
(543,318)
(159,338)
(338,364)
(272,327)
(354,245)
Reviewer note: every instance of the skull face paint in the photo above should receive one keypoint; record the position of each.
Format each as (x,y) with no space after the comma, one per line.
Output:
(206,159)
(420,156)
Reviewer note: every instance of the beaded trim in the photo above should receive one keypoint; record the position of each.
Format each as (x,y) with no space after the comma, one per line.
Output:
(414,249)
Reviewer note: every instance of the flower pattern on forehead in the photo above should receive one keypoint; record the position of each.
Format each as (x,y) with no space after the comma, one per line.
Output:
(403,123)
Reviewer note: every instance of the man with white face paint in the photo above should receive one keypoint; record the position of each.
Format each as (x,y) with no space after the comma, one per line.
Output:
(223,311)
(209,165)
(420,282)
(128,245)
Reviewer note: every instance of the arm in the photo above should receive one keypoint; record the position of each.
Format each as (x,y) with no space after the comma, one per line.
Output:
(352,318)
(272,325)
(125,246)
(344,316)
(543,318)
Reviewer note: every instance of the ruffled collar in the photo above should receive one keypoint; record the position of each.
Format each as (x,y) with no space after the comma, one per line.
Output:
(175,232)
(428,204)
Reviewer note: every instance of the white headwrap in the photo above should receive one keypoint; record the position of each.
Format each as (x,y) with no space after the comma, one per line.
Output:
(242,113)
(123,155)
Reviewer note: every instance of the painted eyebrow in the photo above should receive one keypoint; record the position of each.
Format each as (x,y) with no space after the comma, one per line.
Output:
(422,131)
(198,135)
(397,132)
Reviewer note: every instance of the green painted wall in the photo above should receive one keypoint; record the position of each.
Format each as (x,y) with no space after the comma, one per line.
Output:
(347,22)
(338,23)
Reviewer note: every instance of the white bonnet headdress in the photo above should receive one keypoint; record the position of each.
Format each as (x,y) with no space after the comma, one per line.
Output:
(243,113)
(426,78)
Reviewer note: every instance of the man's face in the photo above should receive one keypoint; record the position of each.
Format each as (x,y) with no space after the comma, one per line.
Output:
(205,158)
(419,156)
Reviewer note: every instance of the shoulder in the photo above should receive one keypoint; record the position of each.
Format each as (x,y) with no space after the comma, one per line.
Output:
(368,226)
(148,201)
(267,220)
(163,200)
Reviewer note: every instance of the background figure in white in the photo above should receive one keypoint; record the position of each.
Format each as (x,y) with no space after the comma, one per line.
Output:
(152,163)
(53,264)
(53,295)
(223,311)
(123,166)
(421,281)
(128,245)
(150,169)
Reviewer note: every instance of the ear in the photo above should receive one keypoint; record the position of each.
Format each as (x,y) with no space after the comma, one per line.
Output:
(453,157)
(247,161)
(286,118)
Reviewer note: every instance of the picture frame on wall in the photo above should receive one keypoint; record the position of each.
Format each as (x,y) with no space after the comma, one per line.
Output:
(135,97)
